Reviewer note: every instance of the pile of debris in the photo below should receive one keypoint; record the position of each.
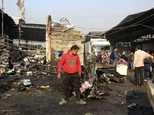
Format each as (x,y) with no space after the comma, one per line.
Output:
(94,75)
(16,61)
(107,73)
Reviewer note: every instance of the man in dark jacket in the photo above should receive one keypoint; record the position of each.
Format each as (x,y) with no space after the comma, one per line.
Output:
(130,60)
(93,57)
(123,56)
(99,58)
(147,67)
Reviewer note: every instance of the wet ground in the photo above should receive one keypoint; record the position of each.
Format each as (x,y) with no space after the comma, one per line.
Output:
(35,100)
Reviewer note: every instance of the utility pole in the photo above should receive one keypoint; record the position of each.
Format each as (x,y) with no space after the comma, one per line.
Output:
(19,31)
(2,20)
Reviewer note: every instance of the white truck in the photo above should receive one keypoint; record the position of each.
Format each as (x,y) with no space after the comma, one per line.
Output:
(97,45)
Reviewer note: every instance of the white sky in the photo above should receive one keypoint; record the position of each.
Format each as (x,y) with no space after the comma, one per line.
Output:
(85,15)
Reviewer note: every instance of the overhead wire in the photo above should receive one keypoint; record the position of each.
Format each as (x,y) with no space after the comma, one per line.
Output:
(135,24)
(89,28)
(31,18)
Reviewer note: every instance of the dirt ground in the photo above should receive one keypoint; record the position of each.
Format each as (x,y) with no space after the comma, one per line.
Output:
(35,101)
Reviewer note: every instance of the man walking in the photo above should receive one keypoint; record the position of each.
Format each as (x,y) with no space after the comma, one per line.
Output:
(138,64)
(72,71)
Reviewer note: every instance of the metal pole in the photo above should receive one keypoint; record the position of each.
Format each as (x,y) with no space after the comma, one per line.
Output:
(2,19)
(19,31)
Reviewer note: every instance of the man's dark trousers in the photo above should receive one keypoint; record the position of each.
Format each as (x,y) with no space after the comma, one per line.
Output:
(67,77)
(139,73)
(147,70)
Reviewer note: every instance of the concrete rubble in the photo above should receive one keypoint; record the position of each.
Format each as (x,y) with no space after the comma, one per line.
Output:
(15,61)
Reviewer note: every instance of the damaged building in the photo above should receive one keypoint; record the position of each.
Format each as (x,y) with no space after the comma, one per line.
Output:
(30,35)
(10,29)
(59,39)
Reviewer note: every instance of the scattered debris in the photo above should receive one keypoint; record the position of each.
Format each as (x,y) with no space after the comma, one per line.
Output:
(28,63)
(130,93)
(43,87)
(131,106)
(26,82)
(107,73)
(90,114)
(85,85)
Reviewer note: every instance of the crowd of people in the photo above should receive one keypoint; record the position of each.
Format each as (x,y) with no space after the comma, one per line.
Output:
(111,58)
(99,58)
(139,62)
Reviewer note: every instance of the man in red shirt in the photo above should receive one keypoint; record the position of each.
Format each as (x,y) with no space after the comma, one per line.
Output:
(72,71)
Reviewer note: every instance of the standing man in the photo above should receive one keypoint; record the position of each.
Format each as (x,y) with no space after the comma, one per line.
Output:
(131,60)
(138,64)
(72,71)
(99,57)
(147,67)
(113,55)
(88,58)
(93,57)
(123,56)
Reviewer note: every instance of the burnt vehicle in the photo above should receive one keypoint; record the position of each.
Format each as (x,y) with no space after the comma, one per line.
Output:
(107,73)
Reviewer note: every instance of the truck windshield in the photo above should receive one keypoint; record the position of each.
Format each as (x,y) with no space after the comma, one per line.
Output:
(98,48)
(102,48)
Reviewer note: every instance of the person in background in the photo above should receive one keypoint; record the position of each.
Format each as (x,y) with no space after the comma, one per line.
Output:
(105,58)
(130,60)
(147,67)
(99,58)
(58,53)
(93,57)
(129,52)
(88,58)
(113,56)
(152,63)
(123,56)
(72,72)
(138,64)
(119,55)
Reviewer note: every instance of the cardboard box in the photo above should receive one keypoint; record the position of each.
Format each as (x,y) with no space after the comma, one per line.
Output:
(121,69)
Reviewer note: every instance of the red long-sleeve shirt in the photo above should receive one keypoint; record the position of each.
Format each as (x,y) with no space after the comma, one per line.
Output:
(71,63)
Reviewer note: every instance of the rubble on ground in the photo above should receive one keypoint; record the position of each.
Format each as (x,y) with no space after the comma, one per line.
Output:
(15,61)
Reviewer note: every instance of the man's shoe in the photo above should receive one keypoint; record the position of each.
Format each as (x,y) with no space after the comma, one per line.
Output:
(62,102)
(136,85)
(142,86)
(81,102)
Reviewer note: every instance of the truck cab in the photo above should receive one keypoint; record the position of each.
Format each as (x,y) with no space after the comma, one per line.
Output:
(97,45)
(100,45)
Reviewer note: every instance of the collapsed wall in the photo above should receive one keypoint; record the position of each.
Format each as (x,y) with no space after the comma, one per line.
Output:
(59,39)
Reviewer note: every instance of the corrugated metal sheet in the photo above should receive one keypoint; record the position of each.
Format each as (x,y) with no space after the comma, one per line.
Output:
(10,28)
(132,27)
